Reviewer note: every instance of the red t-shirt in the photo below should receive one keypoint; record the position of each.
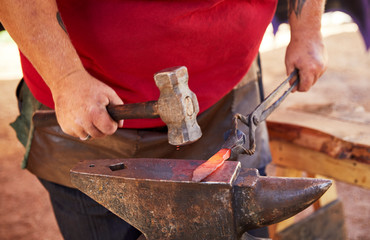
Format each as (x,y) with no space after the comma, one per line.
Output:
(123,43)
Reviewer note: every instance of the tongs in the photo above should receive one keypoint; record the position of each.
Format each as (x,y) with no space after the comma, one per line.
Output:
(260,113)
(235,138)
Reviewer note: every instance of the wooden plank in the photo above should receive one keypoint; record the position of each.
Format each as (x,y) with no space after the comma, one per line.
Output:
(319,141)
(354,132)
(326,223)
(294,156)
(287,172)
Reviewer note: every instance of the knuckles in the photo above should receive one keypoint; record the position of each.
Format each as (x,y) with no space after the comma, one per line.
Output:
(108,128)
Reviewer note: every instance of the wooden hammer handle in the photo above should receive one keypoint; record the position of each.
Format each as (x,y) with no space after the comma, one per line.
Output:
(133,111)
(43,118)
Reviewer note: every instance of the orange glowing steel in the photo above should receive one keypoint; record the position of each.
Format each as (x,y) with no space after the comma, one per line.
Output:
(211,165)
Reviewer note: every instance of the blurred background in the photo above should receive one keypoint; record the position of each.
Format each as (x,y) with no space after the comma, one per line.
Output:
(25,211)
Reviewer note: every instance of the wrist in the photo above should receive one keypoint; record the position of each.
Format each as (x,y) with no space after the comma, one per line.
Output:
(67,81)
(305,35)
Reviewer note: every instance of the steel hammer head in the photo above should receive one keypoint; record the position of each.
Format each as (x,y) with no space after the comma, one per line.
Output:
(177,106)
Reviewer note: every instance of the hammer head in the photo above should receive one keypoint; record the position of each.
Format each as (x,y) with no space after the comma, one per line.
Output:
(178,106)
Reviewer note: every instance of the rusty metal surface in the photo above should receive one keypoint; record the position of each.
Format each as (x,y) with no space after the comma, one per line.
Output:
(158,197)
(178,106)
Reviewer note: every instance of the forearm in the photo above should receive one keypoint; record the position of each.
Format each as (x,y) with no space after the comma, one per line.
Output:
(305,16)
(34,27)
(80,99)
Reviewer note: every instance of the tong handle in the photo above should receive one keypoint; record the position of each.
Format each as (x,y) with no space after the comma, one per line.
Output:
(265,112)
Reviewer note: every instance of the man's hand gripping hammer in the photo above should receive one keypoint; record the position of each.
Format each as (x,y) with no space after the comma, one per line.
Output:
(177,106)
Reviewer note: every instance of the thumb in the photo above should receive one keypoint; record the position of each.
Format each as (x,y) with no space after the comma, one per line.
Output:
(289,69)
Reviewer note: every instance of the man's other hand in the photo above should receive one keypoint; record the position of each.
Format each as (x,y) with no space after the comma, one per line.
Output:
(307,53)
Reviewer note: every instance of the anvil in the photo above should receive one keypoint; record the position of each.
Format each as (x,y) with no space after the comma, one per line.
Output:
(158,197)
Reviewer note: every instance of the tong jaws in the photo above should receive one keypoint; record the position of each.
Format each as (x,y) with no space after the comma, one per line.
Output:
(263,110)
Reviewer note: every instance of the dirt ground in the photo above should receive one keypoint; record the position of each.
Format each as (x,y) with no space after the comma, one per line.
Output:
(25,212)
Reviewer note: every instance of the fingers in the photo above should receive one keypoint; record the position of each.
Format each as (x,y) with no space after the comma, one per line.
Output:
(103,122)
(99,124)
(289,69)
(96,123)
(93,131)
(308,74)
(80,128)
(307,80)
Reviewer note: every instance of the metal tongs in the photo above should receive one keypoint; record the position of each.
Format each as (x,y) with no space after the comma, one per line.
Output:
(260,113)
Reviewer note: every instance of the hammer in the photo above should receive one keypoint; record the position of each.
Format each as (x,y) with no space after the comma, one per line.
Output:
(177,106)
(158,197)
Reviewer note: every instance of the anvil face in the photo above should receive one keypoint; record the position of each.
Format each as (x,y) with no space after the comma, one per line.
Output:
(158,197)
(164,170)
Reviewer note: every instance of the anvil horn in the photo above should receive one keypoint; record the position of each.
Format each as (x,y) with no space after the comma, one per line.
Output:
(272,199)
(158,197)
